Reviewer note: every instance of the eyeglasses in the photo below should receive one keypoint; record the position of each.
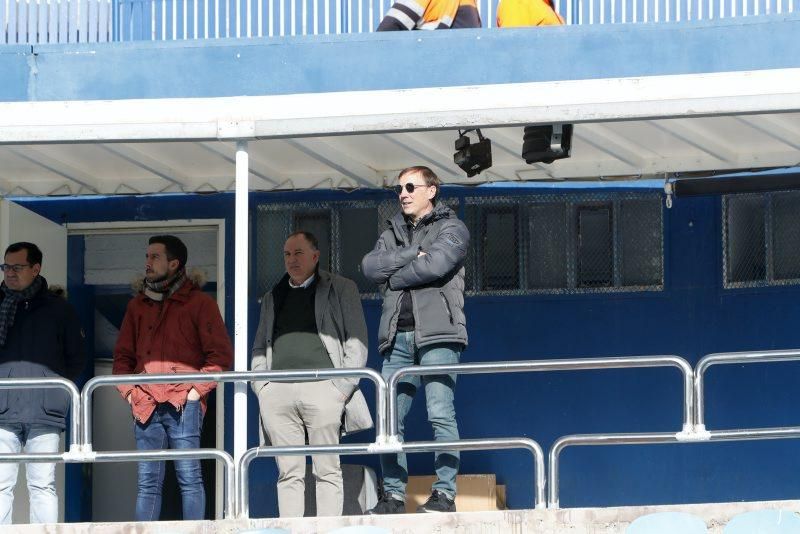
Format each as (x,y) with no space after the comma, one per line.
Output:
(409,187)
(16,268)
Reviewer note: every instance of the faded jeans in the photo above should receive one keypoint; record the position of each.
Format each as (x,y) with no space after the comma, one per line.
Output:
(29,438)
(439,395)
(169,428)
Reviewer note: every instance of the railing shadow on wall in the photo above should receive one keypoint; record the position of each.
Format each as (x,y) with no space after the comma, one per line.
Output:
(236,471)
(97,21)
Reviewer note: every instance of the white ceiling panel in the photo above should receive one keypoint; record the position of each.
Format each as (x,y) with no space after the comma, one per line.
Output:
(601,150)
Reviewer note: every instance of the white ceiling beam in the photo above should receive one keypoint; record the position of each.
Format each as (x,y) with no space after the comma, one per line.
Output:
(280,116)
(607,141)
(138,158)
(418,149)
(325,153)
(227,152)
(698,137)
(773,129)
(40,158)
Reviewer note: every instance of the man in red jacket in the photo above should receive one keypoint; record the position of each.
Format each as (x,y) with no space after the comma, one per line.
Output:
(170,326)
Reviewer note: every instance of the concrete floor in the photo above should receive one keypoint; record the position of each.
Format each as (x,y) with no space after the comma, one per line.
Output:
(570,520)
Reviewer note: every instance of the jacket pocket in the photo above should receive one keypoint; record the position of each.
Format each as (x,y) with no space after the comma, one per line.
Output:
(181,368)
(55,402)
(447,307)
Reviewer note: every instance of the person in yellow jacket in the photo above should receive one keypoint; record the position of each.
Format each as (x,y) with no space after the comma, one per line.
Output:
(520,13)
(431,15)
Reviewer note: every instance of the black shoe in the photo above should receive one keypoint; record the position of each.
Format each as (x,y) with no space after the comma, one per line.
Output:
(388,505)
(438,502)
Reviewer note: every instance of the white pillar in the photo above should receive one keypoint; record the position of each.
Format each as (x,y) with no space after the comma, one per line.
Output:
(241,272)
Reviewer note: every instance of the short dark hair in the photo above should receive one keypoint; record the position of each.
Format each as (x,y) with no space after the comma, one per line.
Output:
(311,238)
(175,248)
(427,174)
(34,254)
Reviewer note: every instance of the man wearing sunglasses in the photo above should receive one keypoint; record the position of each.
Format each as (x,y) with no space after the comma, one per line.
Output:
(40,336)
(419,264)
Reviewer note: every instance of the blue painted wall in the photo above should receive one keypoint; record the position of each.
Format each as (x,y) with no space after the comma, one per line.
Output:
(397,60)
(693,316)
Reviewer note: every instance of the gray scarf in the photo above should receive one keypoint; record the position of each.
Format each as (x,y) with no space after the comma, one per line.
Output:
(164,289)
(8,306)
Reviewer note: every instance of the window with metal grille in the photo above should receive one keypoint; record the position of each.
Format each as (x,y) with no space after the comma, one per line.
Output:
(565,244)
(519,244)
(595,246)
(317,222)
(761,239)
(346,232)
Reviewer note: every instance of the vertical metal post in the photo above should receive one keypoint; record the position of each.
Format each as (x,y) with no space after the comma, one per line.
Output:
(242,270)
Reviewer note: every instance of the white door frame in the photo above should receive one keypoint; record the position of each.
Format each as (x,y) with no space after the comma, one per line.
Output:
(173,226)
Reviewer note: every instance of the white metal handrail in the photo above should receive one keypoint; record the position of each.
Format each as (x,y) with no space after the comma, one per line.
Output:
(243,490)
(727,358)
(624,362)
(743,434)
(237,492)
(299,375)
(141,456)
(51,382)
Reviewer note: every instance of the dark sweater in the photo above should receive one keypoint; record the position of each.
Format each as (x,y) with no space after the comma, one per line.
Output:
(296,342)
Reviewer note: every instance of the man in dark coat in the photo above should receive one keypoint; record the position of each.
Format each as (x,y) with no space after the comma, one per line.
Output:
(40,336)
(418,263)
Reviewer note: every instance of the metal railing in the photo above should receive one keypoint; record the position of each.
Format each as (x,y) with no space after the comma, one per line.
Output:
(727,358)
(55,21)
(624,362)
(300,375)
(88,21)
(142,456)
(698,432)
(386,423)
(539,501)
(51,382)
(652,438)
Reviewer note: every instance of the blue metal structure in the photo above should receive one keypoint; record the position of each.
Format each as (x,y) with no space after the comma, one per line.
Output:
(398,60)
(693,315)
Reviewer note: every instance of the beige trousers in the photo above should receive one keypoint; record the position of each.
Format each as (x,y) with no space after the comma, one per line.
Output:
(290,410)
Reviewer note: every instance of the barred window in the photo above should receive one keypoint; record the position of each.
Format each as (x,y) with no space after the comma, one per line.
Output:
(522,244)
(570,243)
(547,245)
(317,222)
(499,255)
(359,228)
(346,232)
(761,239)
(595,246)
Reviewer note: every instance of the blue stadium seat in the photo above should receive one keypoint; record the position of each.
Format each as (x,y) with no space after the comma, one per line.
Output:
(668,523)
(764,522)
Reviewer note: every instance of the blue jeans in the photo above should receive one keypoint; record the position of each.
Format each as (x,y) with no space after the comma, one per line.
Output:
(439,394)
(169,428)
(25,437)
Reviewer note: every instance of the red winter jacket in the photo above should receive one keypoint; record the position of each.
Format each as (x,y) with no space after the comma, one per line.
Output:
(183,334)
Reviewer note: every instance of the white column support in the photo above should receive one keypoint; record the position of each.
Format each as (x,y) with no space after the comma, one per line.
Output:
(241,272)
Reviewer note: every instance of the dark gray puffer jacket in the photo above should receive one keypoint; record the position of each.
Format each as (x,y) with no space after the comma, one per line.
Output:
(435,280)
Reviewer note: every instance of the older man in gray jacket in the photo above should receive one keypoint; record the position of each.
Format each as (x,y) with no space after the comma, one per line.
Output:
(418,263)
(311,319)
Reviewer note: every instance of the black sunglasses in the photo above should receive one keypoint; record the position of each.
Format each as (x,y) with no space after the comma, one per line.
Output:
(409,187)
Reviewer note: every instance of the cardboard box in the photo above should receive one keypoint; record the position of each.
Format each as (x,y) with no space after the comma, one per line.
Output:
(476,493)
